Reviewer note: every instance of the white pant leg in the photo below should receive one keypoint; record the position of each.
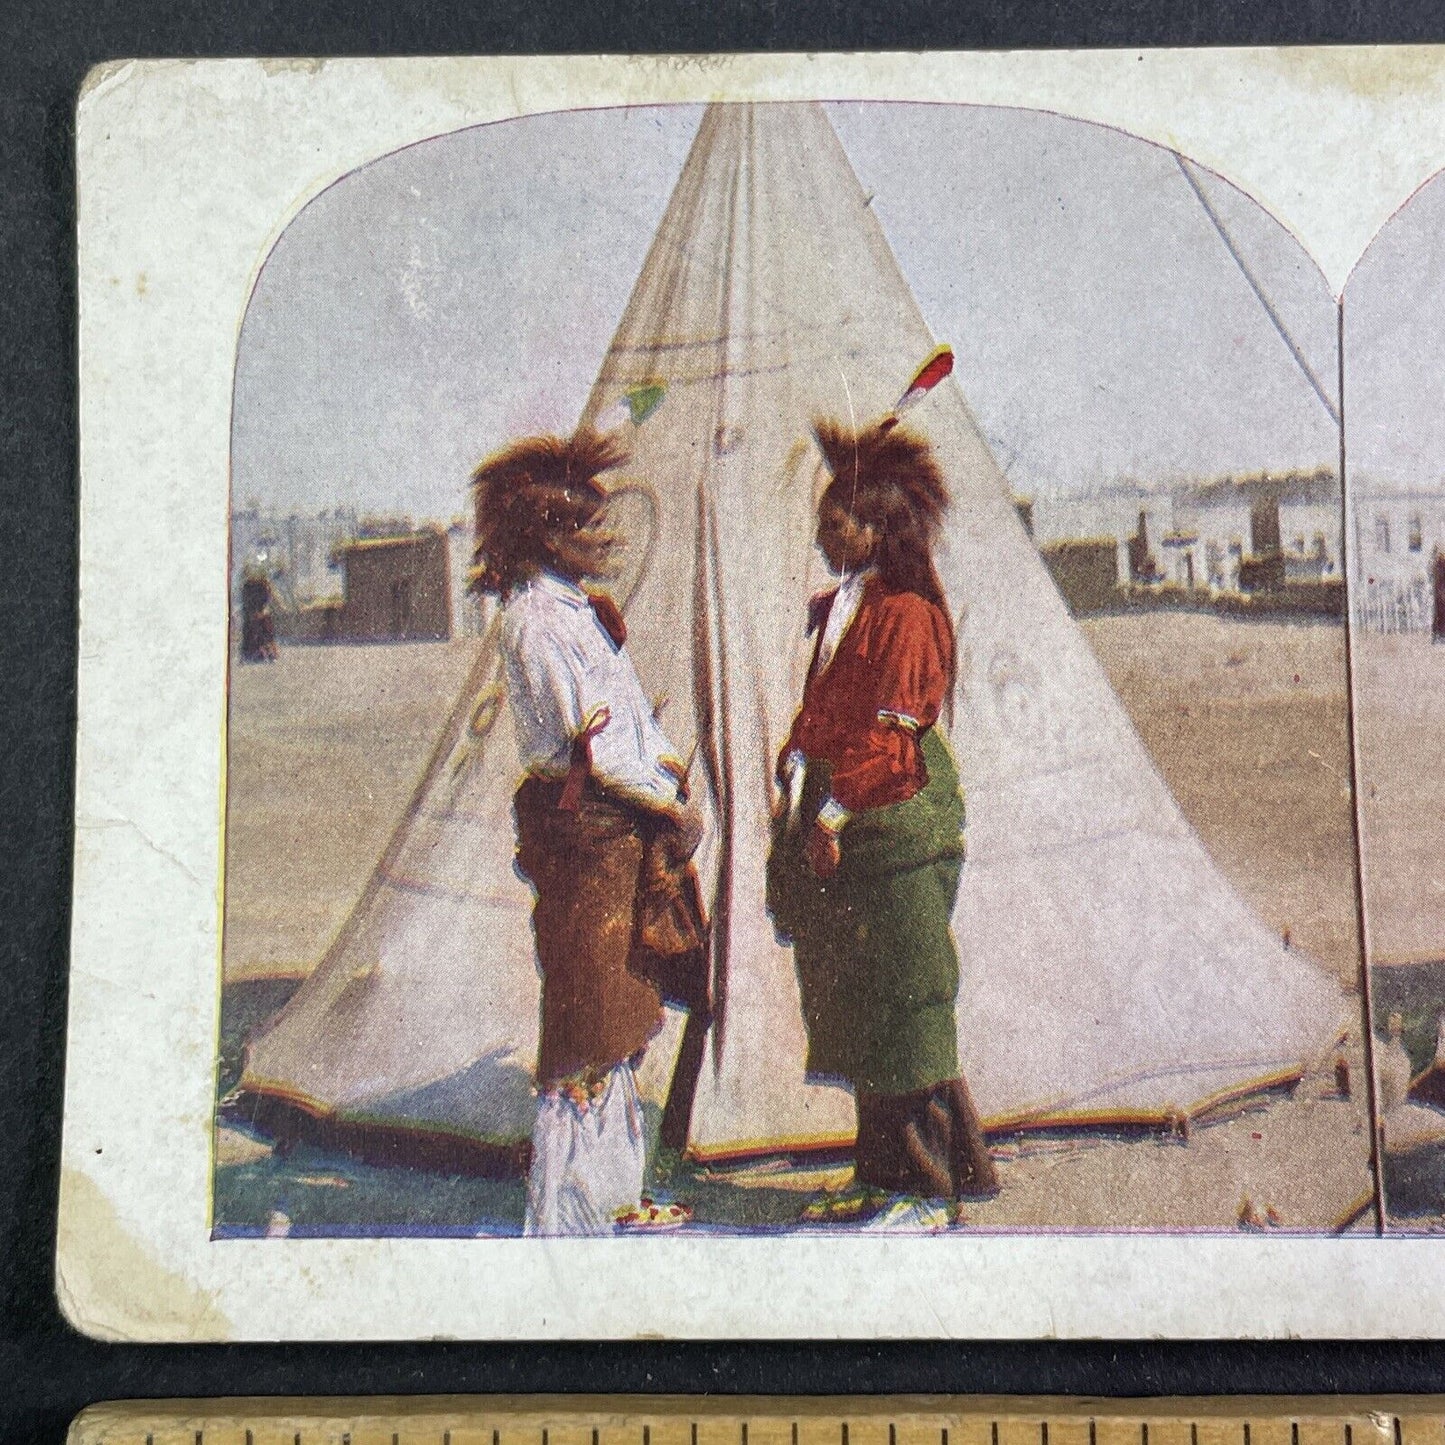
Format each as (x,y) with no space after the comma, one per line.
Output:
(587,1160)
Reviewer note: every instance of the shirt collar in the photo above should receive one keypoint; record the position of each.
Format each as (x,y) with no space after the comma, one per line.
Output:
(853,583)
(560,588)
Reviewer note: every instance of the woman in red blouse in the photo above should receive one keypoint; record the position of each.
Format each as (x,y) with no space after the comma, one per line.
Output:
(868,842)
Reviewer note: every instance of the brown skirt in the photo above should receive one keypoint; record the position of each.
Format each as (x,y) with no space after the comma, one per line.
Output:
(585,868)
(927,1143)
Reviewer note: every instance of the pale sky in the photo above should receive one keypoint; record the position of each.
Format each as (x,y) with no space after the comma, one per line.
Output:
(431,305)
(1395,350)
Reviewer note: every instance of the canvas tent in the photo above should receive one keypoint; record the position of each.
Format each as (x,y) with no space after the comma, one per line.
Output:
(1110,972)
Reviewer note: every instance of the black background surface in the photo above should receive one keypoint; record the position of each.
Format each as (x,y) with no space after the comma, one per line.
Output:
(47,1372)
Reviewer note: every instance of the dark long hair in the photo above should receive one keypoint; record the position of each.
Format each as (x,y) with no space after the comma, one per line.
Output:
(533,491)
(887,478)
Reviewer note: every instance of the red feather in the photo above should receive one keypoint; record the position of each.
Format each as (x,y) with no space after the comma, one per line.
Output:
(930,373)
(938,365)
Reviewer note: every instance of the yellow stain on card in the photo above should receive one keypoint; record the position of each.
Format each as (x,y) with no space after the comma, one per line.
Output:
(1369,71)
(109,1286)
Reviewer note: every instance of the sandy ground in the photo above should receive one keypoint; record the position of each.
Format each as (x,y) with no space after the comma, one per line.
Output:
(325,748)
(1246,721)
(1400,707)
(1305,1158)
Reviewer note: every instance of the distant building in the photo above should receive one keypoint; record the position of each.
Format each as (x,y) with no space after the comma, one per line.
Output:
(1086,572)
(1185,563)
(341,575)
(1131,513)
(1264,539)
(1396,532)
(397,589)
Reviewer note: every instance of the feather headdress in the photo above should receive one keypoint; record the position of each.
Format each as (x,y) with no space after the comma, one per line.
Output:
(887,478)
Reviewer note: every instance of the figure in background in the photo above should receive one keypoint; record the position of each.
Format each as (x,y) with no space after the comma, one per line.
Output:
(1437,596)
(604,828)
(258,631)
(868,839)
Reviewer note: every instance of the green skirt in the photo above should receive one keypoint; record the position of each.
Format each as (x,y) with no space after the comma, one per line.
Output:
(877,965)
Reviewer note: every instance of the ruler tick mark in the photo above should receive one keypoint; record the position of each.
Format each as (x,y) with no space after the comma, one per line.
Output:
(353,1430)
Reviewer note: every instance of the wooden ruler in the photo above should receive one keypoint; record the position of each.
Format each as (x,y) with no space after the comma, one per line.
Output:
(740,1420)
